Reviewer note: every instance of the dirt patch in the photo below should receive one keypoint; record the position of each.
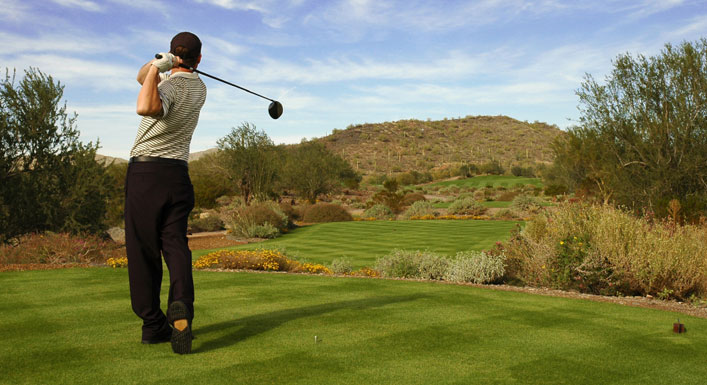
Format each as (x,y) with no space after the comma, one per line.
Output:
(40,266)
(213,240)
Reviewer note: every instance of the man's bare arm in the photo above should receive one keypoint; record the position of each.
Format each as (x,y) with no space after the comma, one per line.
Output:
(148,100)
(143,71)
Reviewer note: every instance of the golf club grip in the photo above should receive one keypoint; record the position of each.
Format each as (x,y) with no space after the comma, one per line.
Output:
(158,56)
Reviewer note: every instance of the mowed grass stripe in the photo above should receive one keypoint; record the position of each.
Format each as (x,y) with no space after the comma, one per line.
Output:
(76,327)
(364,242)
(493,180)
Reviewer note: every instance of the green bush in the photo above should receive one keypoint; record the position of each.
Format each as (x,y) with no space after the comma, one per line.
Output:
(379,211)
(325,212)
(399,264)
(506,214)
(418,209)
(492,168)
(257,220)
(411,198)
(526,203)
(341,266)
(602,250)
(208,223)
(267,212)
(475,267)
(466,206)
(59,248)
(556,189)
(507,196)
(432,266)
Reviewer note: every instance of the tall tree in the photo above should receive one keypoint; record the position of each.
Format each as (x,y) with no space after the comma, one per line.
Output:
(311,170)
(252,161)
(210,179)
(642,138)
(49,180)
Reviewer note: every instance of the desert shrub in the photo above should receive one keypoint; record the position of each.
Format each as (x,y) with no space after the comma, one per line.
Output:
(603,250)
(523,171)
(260,220)
(492,168)
(325,212)
(290,211)
(412,264)
(507,196)
(399,264)
(432,266)
(506,214)
(489,193)
(475,267)
(555,189)
(411,198)
(208,223)
(341,266)
(466,206)
(526,203)
(59,248)
(419,209)
(379,211)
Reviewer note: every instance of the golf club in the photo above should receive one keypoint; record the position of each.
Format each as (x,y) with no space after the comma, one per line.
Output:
(275,108)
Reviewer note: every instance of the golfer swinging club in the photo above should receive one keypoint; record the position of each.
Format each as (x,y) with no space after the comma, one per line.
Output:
(159,193)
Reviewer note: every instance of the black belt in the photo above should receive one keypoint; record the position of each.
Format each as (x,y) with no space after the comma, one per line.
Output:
(138,159)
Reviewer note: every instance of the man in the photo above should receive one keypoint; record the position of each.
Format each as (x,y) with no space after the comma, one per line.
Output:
(159,195)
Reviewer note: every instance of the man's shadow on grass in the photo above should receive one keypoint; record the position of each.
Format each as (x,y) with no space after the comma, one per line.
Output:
(244,328)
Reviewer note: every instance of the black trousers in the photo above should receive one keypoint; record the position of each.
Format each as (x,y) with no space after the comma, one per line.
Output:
(158,200)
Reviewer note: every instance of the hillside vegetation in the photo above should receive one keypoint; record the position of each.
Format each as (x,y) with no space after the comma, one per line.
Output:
(423,145)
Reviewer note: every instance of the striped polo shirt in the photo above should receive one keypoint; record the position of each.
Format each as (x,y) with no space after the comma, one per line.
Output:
(168,136)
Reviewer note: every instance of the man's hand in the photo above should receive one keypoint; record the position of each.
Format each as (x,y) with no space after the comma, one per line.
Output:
(166,62)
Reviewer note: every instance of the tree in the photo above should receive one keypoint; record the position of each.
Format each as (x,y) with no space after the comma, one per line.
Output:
(642,138)
(49,180)
(251,160)
(311,170)
(210,179)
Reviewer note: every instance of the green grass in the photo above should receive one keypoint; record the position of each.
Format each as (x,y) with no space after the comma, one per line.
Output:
(488,204)
(76,327)
(364,242)
(494,180)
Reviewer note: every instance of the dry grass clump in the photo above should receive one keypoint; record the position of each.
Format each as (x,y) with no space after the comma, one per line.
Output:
(59,249)
(603,250)
(326,212)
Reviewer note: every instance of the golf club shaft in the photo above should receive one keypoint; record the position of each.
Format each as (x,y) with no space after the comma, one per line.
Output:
(158,56)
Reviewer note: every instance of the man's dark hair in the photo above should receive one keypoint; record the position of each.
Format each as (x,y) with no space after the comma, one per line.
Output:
(184,54)
(187,46)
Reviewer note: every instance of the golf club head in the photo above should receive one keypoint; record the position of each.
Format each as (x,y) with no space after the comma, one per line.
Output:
(275,109)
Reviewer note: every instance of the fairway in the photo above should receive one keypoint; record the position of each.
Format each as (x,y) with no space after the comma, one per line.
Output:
(363,242)
(493,180)
(76,327)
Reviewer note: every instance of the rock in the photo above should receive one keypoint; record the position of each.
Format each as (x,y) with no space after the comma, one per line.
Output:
(116,234)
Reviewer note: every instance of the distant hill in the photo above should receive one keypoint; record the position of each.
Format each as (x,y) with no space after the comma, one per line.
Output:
(422,145)
(106,160)
(406,145)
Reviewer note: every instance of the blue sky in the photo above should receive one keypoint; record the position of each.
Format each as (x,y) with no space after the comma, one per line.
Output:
(336,63)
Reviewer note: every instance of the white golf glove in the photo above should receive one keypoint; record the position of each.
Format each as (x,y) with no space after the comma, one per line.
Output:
(166,62)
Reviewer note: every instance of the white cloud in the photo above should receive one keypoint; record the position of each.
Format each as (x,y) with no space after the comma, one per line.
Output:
(695,27)
(91,74)
(86,5)
(242,5)
(14,44)
(12,10)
